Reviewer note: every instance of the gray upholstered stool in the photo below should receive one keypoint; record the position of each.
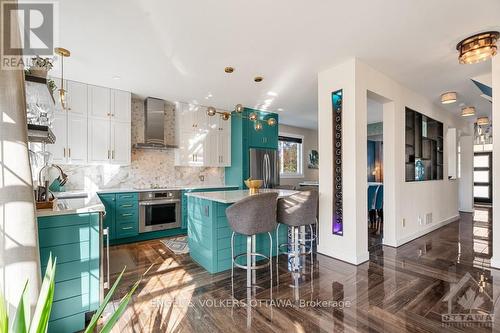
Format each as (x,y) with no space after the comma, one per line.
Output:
(296,212)
(251,216)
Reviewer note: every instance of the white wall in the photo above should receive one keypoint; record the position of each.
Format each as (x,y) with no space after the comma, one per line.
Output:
(495,117)
(401,200)
(466,182)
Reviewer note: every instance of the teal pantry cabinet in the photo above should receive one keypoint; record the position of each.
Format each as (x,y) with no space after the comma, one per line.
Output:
(74,241)
(243,137)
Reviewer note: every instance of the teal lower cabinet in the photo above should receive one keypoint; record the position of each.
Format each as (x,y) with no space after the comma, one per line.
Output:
(122,215)
(184,200)
(74,241)
(209,236)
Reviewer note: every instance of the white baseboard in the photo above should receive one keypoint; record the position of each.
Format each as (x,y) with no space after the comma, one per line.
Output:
(426,231)
(350,259)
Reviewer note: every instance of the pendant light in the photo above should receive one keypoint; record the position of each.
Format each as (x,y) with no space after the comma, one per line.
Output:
(63,53)
(448,97)
(238,112)
(477,48)
(468,111)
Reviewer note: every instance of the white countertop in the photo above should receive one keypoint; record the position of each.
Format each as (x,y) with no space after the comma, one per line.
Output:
(170,188)
(69,206)
(234,196)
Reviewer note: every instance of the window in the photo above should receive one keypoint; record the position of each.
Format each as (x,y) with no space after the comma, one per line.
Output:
(290,150)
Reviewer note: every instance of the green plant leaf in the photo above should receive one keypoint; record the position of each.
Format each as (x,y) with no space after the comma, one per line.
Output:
(120,310)
(97,315)
(4,317)
(21,318)
(123,305)
(45,299)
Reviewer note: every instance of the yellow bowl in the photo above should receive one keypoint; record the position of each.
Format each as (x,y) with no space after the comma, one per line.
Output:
(254,183)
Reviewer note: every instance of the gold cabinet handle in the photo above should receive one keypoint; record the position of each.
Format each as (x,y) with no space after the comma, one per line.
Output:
(69,152)
(113,154)
(127,214)
(126,228)
(108,154)
(64,152)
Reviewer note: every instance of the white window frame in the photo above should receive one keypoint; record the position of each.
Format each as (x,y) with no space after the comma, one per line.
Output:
(300,157)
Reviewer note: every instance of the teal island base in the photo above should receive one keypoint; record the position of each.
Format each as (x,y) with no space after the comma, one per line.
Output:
(209,236)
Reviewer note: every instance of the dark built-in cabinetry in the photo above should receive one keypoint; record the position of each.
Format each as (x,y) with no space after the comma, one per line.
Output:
(424,147)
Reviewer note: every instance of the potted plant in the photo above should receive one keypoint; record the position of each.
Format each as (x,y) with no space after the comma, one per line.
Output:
(24,323)
(40,66)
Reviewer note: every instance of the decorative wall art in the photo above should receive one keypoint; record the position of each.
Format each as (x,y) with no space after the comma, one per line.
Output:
(313,159)
(338,222)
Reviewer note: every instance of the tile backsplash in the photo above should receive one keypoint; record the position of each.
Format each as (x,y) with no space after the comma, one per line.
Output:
(148,167)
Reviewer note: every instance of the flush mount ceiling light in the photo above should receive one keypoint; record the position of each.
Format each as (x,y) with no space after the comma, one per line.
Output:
(483,121)
(229,69)
(258,79)
(448,97)
(468,111)
(477,48)
(63,53)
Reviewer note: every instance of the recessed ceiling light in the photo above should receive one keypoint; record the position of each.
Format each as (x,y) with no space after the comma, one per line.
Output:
(229,69)
(448,97)
(272,93)
(258,79)
(279,109)
(116,77)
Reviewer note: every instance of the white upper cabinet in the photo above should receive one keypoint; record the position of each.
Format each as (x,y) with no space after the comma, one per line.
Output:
(109,133)
(77,98)
(99,139)
(77,139)
(121,105)
(70,126)
(203,140)
(59,128)
(120,142)
(99,101)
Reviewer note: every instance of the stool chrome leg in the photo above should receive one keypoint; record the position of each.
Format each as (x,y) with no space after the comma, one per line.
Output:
(232,263)
(249,261)
(271,261)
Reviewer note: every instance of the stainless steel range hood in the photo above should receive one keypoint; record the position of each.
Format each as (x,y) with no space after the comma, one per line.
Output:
(154,125)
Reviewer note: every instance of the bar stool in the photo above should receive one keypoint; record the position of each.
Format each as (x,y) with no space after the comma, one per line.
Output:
(296,212)
(251,216)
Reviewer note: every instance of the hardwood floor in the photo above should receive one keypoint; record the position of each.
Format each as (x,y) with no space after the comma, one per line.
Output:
(397,290)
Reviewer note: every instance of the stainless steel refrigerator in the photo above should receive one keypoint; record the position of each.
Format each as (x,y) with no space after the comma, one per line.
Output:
(264,165)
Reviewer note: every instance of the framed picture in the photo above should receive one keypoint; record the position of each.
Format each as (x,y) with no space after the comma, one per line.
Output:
(313,159)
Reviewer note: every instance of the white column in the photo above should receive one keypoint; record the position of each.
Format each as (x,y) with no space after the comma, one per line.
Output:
(495,118)
(465,182)
(352,247)
(19,258)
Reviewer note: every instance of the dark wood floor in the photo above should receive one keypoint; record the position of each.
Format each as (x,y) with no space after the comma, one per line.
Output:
(398,290)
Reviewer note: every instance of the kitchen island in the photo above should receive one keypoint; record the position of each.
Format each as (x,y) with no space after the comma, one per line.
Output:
(209,234)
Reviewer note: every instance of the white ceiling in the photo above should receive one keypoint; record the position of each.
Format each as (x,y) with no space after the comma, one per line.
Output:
(177,50)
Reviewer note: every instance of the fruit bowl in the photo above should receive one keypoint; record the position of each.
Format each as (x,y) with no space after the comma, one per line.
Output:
(254,185)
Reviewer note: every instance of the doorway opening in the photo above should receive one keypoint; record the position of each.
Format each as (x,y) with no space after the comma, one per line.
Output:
(375,171)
